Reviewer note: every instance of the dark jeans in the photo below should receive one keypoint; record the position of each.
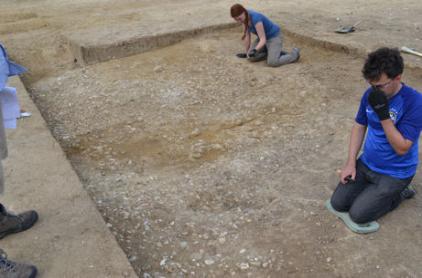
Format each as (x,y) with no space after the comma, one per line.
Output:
(370,196)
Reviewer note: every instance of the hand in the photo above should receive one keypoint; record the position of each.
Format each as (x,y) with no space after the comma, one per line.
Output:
(252,53)
(379,103)
(242,55)
(348,173)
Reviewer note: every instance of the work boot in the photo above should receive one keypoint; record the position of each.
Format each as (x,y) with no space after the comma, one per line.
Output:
(408,192)
(10,223)
(9,269)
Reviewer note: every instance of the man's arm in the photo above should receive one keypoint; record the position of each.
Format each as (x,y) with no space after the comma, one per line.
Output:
(356,139)
(400,144)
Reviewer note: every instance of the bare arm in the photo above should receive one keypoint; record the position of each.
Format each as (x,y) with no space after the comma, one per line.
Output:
(261,35)
(247,41)
(400,144)
(356,139)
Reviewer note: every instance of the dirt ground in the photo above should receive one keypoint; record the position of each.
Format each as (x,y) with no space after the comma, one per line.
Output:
(205,165)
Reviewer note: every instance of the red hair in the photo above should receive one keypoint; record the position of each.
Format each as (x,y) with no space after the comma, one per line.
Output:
(235,11)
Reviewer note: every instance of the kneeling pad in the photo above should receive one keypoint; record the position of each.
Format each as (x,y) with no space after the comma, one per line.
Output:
(366,228)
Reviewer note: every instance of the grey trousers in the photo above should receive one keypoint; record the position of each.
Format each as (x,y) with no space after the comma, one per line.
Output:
(370,196)
(3,150)
(274,48)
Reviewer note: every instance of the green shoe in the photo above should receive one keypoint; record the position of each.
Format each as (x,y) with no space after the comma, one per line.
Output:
(408,193)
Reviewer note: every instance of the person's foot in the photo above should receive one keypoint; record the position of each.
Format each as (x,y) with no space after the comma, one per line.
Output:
(10,223)
(296,51)
(408,193)
(10,269)
(25,115)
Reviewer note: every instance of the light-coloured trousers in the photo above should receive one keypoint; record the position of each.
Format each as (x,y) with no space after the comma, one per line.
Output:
(3,150)
(274,48)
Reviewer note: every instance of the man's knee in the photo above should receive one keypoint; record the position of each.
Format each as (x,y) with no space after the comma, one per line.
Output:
(359,216)
(338,204)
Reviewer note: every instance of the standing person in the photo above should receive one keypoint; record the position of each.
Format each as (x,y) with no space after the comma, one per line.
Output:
(269,42)
(390,113)
(11,223)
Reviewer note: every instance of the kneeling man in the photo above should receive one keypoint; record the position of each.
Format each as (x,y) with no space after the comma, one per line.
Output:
(390,114)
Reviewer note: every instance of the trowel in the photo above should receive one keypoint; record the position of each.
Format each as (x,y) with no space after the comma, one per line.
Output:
(347,29)
(408,50)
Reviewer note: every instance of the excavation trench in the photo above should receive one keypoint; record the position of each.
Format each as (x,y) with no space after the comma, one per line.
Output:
(206,165)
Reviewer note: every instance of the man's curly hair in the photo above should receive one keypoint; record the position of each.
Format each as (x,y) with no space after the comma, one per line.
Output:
(383,60)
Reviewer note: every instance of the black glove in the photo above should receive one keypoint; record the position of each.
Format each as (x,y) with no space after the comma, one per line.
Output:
(379,103)
(242,55)
(252,53)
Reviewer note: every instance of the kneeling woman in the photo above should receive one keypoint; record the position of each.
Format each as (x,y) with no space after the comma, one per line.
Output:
(269,42)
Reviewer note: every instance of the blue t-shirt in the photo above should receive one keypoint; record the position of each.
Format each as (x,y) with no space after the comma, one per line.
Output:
(7,68)
(406,114)
(271,29)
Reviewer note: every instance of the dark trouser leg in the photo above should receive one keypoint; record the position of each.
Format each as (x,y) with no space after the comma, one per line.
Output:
(345,194)
(378,199)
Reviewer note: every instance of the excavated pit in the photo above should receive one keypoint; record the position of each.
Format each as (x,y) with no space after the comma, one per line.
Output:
(206,165)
